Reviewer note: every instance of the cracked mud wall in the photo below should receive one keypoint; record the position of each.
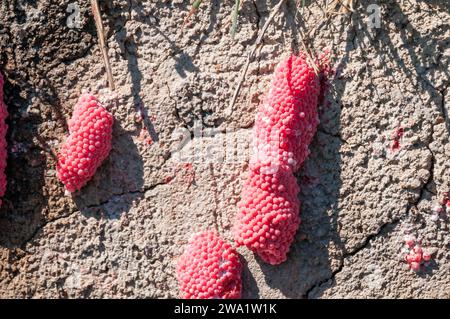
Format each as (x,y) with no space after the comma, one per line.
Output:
(120,236)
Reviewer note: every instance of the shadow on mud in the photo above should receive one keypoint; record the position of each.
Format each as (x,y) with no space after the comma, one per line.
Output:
(32,101)
(249,286)
(130,53)
(24,201)
(423,51)
(183,61)
(120,175)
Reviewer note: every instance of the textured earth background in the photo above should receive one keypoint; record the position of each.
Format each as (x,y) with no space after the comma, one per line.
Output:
(120,236)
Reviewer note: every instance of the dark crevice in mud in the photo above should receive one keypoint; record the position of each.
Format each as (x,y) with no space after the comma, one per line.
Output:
(355,34)
(139,191)
(247,127)
(430,191)
(425,187)
(258,14)
(444,114)
(443,110)
(176,111)
(431,170)
(430,178)
(40,227)
(258,19)
(130,8)
(215,190)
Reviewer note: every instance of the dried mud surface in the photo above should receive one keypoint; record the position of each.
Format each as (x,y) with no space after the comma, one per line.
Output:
(120,235)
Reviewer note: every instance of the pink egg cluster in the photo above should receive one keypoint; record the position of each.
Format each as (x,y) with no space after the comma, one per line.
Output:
(441,209)
(268,215)
(396,137)
(416,255)
(209,269)
(287,120)
(88,144)
(3,143)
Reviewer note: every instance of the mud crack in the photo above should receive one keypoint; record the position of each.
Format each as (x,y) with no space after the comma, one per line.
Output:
(383,230)
(258,21)
(42,226)
(114,196)
(47,222)
(216,200)
(442,107)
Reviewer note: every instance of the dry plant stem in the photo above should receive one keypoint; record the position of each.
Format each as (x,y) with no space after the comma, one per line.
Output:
(312,32)
(308,51)
(251,56)
(346,6)
(194,8)
(309,57)
(101,39)
(234,17)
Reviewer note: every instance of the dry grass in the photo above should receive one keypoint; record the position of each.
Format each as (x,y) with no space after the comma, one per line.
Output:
(340,7)
(234,15)
(101,39)
(332,7)
(195,5)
